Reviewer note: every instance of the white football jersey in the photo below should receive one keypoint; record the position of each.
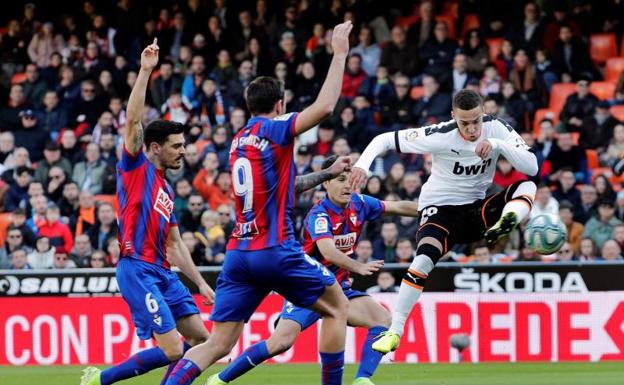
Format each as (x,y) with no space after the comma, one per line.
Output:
(458,175)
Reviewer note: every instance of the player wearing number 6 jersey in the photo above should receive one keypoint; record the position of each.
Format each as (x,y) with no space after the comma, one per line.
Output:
(161,306)
(262,254)
(452,204)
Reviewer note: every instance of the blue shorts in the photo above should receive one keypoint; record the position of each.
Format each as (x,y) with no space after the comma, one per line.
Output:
(248,276)
(306,317)
(156,296)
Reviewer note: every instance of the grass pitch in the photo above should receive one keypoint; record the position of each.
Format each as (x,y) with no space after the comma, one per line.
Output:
(605,373)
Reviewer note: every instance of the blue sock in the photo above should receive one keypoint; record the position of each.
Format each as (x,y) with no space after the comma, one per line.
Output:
(332,366)
(253,356)
(136,365)
(370,358)
(185,347)
(184,373)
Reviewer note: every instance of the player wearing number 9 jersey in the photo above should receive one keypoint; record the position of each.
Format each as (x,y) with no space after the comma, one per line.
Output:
(262,255)
(453,204)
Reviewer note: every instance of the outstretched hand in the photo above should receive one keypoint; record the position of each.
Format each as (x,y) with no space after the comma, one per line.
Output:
(340,38)
(149,56)
(357,178)
(341,165)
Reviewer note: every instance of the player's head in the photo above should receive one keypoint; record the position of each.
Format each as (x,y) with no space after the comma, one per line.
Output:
(338,188)
(264,96)
(468,113)
(165,141)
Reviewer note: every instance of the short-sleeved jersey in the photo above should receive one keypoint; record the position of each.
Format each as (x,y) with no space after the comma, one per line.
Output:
(458,175)
(263,181)
(145,212)
(344,225)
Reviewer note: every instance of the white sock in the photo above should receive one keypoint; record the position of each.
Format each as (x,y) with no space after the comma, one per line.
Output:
(518,203)
(410,291)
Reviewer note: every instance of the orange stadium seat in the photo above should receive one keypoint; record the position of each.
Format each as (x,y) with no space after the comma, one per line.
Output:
(614,69)
(602,90)
(417,92)
(606,171)
(494,45)
(5,222)
(558,95)
(592,159)
(541,114)
(451,9)
(112,199)
(18,78)
(602,46)
(471,21)
(618,112)
(450,24)
(575,137)
(406,21)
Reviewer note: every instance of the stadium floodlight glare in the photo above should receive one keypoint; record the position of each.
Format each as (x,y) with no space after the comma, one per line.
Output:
(460,342)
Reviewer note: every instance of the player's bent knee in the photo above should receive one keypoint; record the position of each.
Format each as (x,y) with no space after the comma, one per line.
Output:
(431,248)
(173,353)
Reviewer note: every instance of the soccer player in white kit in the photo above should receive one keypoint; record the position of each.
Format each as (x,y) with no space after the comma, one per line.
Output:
(453,206)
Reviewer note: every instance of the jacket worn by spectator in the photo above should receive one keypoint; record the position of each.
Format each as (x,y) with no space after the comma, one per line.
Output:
(60,235)
(94,172)
(599,231)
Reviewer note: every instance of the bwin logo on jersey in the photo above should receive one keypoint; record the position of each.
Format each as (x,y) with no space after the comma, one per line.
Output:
(474,169)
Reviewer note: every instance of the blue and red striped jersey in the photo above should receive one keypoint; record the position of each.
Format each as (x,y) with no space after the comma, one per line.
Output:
(145,212)
(263,181)
(344,225)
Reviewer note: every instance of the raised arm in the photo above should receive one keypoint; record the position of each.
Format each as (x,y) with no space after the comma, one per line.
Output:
(133,136)
(313,179)
(327,98)
(401,208)
(377,146)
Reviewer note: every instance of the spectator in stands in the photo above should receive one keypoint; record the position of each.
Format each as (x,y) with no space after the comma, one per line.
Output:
(527,255)
(97,260)
(51,157)
(597,129)
(544,68)
(529,33)
(411,184)
(566,253)
(190,219)
(88,107)
(107,149)
(53,115)
(55,183)
(618,234)
(611,251)
(524,78)
(604,189)
(225,219)
(10,118)
(195,248)
(476,51)
(214,191)
(588,250)
(437,53)
(600,228)
(459,75)
(14,240)
(588,207)
(69,146)
(224,72)
(89,173)
(434,106)
(37,218)
(399,108)
(404,251)
(505,174)
(18,221)
(19,260)
(113,252)
(7,146)
(398,55)
(514,105)
(17,195)
(59,233)
(567,155)
(566,189)
(616,147)
(490,83)
(364,251)
(619,208)
(167,80)
(422,30)
(571,60)
(81,253)
(42,257)
(30,135)
(353,77)
(105,227)
(211,234)
(577,107)
(384,246)
(191,87)
(544,202)
(62,261)
(575,229)
(482,254)
(385,284)
(69,202)
(369,51)
(34,87)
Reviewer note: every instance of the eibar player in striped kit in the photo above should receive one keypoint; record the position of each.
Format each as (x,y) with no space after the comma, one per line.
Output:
(453,206)
(262,254)
(161,306)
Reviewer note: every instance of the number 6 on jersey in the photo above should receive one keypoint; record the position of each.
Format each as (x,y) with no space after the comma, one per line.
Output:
(243,182)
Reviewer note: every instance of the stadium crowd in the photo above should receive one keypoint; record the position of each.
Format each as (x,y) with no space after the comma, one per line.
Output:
(549,68)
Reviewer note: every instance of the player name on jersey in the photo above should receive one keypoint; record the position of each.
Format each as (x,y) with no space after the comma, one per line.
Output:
(251,140)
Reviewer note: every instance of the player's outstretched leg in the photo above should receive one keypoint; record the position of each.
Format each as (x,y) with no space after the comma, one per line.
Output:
(518,202)
(281,340)
(365,312)
(429,250)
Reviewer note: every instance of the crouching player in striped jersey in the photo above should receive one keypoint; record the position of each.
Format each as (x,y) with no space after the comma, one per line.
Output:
(331,230)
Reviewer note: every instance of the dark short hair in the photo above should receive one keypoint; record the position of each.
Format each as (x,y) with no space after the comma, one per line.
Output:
(466,100)
(19,170)
(159,130)
(262,94)
(328,162)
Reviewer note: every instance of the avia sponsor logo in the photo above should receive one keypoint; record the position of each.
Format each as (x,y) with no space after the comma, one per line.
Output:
(519,282)
(345,243)
(11,285)
(163,204)
(473,169)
